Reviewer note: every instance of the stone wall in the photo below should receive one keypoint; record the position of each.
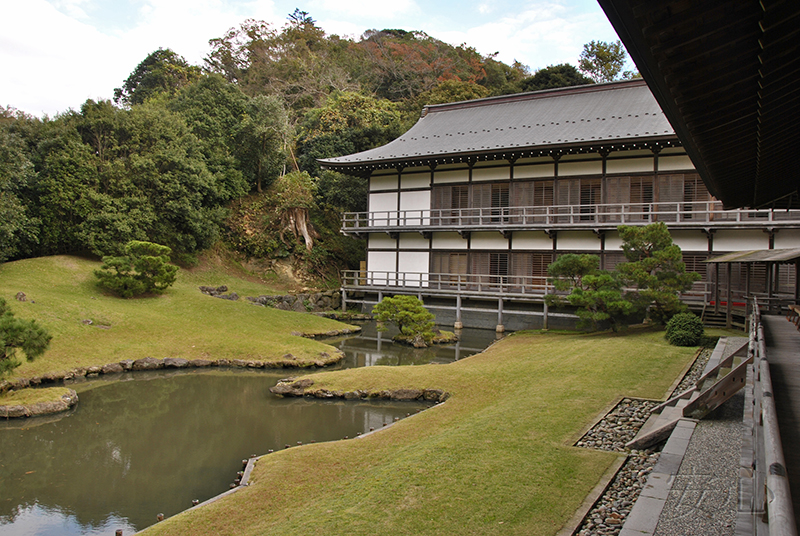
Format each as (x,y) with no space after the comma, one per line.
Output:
(311,302)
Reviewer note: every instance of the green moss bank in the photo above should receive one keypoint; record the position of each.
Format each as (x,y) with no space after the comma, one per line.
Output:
(92,329)
(496,458)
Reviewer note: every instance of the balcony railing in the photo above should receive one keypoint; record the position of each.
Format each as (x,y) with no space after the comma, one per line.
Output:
(604,215)
(473,284)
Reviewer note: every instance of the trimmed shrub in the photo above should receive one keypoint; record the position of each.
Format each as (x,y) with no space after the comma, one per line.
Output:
(409,313)
(684,329)
(144,269)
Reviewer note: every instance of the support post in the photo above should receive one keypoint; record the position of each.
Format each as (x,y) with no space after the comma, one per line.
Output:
(716,288)
(769,286)
(544,318)
(729,304)
(796,281)
(344,301)
(544,306)
(500,327)
(458,324)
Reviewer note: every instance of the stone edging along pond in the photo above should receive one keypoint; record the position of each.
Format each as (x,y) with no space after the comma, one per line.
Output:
(300,387)
(151,363)
(57,405)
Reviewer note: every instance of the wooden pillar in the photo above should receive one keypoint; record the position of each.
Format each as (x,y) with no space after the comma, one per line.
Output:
(796,281)
(747,282)
(769,286)
(729,304)
(716,288)
(458,324)
(544,318)
(500,327)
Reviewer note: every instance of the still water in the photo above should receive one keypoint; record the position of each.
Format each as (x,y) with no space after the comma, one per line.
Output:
(150,442)
(372,347)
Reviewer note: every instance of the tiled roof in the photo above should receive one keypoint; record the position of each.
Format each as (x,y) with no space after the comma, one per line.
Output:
(597,115)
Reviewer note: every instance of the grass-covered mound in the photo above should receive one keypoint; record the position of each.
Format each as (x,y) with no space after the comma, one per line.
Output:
(63,296)
(496,458)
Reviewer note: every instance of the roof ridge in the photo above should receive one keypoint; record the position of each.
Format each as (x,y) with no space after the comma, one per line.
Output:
(531,95)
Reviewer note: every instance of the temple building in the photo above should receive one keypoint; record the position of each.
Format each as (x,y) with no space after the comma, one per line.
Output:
(469,207)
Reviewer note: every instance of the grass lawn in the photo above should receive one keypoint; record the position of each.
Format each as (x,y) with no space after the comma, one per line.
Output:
(62,293)
(496,458)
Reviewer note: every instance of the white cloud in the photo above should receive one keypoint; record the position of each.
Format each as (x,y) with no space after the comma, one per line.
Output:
(543,34)
(48,73)
(366,10)
(52,61)
(54,55)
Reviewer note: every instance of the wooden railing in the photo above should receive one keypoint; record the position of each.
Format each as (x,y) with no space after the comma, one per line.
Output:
(680,214)
(513,285)
(772,477)
(458,283)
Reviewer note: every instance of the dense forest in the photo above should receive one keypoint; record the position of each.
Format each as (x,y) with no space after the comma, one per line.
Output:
(190,156)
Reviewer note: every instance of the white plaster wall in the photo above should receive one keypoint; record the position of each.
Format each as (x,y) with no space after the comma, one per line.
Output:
(413,268)
(531,240)
(491,174)
(690,240)
(418,205)
(456,175)
(383,208)
(580,240)
(383,182)
(613,242)
(378,264)
(630,165)
(674,163)
(412,241)
(570,169)
(417,180)
(534,171)
(448,241)
(740,240)
(381,241)
(488,240)
(787,238)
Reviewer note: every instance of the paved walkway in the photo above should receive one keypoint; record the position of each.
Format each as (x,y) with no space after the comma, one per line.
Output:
(693,489)
(783,354)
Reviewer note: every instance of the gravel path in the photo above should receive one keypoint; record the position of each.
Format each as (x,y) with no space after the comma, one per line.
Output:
(618,427)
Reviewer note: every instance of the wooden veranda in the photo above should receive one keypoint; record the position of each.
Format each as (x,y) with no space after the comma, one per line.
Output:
(770,275)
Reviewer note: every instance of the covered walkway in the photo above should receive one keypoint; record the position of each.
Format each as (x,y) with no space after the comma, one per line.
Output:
(783,354)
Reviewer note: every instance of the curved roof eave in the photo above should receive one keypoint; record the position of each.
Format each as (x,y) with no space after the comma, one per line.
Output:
(365,167)
(544,122)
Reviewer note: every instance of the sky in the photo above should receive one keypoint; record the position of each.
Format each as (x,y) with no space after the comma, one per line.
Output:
(56,54)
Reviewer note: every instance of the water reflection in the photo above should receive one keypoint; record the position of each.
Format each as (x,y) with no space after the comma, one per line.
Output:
(372,347)
(140,444)
(154,442)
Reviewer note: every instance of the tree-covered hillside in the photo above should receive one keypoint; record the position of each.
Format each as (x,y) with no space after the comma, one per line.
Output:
(186,155)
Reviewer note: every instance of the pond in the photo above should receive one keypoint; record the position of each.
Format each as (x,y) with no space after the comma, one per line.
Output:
(140,444)
(372,347)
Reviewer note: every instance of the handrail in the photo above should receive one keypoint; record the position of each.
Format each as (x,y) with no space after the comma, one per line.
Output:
(684,213)
(474,283)
(779,506)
